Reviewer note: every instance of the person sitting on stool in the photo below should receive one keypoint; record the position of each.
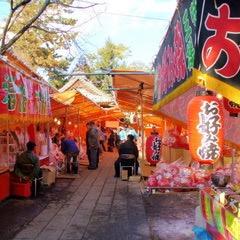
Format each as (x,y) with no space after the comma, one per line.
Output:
(27,165)
(126,150)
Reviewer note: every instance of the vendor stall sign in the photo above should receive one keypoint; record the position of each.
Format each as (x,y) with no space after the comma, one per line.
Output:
(205,37)
(219,39)
(21,96)
(175,60)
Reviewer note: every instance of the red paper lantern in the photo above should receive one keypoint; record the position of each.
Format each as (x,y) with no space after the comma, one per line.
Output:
(231,107)
(153,149)
(205,126)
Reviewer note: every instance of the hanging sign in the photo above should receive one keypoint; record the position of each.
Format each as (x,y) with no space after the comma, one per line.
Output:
(175,59)
(22,97)
(218,46)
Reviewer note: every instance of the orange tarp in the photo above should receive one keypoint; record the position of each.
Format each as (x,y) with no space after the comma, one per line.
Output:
(128,99)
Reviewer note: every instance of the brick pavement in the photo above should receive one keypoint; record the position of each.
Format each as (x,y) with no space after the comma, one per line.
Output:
(99,207)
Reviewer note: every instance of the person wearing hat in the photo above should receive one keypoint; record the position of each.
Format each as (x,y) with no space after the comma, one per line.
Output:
(27,163)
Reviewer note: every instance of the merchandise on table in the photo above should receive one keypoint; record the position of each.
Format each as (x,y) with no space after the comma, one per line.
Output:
(176,174)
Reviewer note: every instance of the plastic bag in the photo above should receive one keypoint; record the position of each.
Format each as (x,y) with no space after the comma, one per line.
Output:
(201,234)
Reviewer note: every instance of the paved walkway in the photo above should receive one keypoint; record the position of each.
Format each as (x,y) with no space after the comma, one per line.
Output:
(98,207)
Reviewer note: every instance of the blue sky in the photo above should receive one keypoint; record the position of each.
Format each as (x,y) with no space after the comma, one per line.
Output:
(142,35)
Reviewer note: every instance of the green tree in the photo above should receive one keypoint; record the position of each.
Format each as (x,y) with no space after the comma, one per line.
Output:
(110,56)
(40,32)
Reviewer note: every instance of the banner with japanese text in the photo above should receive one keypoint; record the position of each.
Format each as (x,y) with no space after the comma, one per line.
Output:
(218,51)
(175,59)
(201,47)
(22,98)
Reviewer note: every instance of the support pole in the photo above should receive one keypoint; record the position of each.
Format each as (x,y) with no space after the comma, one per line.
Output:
(48,138)
(66,120)
(142,126)
(8,142)
(78,124)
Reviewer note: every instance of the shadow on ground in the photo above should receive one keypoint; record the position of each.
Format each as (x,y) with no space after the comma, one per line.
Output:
(16,212)
(171,215)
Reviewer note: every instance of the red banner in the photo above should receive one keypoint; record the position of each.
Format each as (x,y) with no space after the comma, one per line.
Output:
(22,97)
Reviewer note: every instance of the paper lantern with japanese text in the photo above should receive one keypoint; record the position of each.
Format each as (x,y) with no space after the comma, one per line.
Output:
(153,149)
(231,107)
(205,126)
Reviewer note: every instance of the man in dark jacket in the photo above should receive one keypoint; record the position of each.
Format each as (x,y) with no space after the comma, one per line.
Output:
(71,151)
(93,145)
(127,150)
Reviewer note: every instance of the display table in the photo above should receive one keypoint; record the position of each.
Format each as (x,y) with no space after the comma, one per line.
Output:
(4,183)
(221,222)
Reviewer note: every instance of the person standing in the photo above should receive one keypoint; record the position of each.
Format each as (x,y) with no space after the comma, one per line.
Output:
(122,135)
(93,145)
(102,138)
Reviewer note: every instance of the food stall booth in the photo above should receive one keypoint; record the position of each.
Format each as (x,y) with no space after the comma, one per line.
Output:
(24,105)
(197,84)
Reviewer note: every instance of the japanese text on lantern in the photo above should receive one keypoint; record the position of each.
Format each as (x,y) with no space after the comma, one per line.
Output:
(208,127)
(156,145)
(220,43)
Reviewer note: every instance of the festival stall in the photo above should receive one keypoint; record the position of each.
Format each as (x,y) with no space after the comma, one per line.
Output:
(78,102)
(24,105)
(197,84)
(128,85)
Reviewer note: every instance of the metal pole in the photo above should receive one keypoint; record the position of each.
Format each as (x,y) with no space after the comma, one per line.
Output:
(8,142)
(66,122)
(78,123)
(48,138)
(142,126)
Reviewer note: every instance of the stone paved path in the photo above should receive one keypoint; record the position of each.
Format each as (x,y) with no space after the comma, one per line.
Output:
(99,207)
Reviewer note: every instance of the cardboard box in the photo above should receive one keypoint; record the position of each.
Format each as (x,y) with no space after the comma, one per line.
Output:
(124,175)
(49,175)
(134,178)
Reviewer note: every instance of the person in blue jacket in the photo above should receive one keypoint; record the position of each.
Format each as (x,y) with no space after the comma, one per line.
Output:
(70,149)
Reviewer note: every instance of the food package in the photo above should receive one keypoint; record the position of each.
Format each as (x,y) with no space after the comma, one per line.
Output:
(177,174)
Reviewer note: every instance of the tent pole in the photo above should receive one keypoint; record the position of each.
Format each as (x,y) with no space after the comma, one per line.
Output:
(48,138)
(78,121)
(142,125)
(8,142)
(66,122)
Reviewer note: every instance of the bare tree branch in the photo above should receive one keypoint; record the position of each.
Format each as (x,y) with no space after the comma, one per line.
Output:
(15,18)
(6,29)
(43,29)
(11,3)
(78,7)
(22,3)
(4,46)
